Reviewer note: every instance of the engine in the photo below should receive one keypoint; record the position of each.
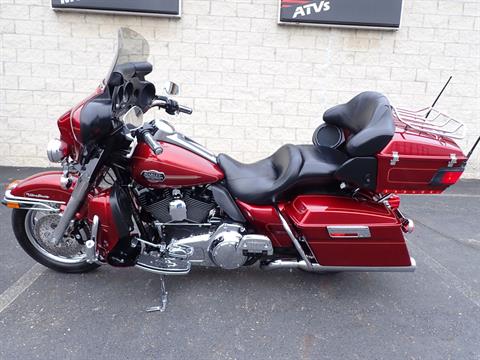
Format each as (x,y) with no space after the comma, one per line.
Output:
(192,205)
(190,223)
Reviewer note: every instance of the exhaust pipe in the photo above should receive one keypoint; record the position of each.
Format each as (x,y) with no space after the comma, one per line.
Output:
(292,264)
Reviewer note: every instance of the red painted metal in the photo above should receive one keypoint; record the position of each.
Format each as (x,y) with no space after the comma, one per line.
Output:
(266,222)
(43,186)
(46,186)
(108,234)
(180,166)
(311,214)
(421,155)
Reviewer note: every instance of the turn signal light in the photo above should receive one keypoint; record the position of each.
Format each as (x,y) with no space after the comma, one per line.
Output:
(394,201)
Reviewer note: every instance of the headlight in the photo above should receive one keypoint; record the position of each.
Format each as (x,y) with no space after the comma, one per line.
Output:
(57,150)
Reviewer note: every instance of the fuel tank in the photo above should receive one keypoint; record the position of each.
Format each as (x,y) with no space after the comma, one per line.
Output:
(174,167)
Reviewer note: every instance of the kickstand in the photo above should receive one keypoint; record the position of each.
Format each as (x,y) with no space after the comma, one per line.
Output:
(163,297)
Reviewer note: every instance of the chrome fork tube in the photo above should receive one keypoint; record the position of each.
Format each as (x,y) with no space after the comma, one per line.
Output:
(76,199)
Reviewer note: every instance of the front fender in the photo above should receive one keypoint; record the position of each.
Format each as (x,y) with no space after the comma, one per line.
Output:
(41,191)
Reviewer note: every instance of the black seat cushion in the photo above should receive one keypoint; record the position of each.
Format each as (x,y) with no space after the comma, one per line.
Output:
(259,182)
(268,180)
(319,163)
(368,117)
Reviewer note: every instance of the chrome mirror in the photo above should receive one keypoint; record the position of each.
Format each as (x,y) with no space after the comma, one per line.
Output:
(171,88)
(133,116)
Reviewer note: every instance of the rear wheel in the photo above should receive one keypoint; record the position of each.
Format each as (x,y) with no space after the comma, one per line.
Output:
(33,230)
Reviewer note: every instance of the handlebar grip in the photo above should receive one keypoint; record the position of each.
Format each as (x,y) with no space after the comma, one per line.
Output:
(154,145)
(185,109)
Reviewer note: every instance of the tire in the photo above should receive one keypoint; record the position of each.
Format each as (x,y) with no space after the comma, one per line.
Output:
(19,223)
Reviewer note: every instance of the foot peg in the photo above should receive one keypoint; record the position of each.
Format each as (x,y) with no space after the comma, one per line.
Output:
(163,265)
(178,251)
(163,297)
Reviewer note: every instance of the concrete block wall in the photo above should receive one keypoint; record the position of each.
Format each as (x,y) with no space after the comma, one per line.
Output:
(254,84)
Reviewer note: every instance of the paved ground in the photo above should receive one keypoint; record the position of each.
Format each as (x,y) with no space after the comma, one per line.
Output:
(433,313)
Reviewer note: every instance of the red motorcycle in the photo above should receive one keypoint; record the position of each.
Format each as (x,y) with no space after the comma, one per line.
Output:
(138,193)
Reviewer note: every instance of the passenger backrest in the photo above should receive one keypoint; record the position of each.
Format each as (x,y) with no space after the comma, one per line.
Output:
(368,117)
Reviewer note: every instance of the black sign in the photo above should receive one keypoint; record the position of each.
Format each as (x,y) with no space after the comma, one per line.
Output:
(146,7)
(355,13)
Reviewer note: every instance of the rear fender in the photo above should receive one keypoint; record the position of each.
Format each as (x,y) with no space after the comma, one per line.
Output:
(41,191)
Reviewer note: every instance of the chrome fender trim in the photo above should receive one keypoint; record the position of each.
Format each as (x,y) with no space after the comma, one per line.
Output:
(292,264)
(31,203)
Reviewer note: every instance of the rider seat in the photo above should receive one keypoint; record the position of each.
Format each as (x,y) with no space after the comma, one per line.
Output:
(265,181)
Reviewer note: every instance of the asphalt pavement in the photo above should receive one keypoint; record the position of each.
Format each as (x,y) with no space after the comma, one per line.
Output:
(433,313)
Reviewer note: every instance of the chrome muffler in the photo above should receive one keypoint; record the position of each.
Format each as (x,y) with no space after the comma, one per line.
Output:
(292,264)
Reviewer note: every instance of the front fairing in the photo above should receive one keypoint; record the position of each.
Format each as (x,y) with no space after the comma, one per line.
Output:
(84,123)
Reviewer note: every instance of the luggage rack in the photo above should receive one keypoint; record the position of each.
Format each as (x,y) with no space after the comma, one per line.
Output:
(431,121)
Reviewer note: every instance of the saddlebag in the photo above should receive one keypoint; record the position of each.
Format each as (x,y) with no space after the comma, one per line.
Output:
(341,231)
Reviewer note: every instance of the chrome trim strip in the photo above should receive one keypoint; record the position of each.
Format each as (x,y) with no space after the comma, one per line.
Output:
(184,142)
(181,140)
(32,203)
(295,241)
(289,264)
(348,231)
(9,196)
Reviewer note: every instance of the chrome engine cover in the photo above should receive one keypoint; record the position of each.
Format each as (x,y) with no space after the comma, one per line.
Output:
(225,251)
(178,210)
(226,247)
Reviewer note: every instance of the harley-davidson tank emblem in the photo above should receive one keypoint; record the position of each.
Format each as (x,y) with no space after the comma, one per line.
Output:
(153,175)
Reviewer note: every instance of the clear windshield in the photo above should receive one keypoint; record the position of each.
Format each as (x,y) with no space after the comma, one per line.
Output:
(131,47)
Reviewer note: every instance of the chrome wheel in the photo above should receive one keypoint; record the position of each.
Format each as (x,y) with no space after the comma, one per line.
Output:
(39,228)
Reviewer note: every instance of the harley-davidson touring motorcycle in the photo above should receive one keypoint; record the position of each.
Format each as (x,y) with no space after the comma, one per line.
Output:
(135,192)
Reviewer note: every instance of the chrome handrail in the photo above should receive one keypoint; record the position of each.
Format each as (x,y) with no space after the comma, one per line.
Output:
(432,121)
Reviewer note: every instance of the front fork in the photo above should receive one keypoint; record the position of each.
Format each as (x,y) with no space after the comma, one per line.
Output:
(79,194)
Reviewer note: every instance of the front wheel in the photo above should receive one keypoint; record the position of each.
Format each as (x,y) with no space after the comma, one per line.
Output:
(33,230)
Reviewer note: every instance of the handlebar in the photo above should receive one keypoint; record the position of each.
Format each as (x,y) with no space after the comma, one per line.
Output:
(171,106)
(185,109)
(152,144)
